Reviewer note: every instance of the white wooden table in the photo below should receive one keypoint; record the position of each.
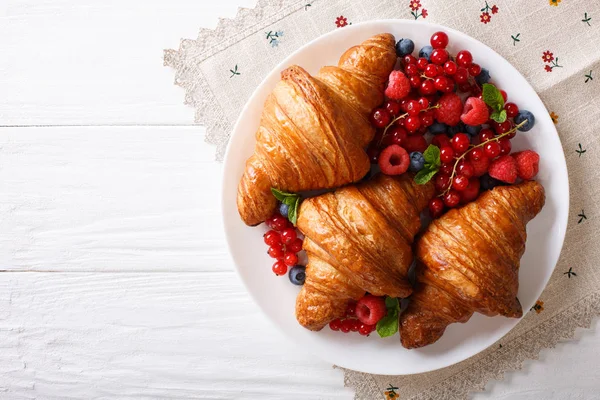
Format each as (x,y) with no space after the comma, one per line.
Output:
(116,280)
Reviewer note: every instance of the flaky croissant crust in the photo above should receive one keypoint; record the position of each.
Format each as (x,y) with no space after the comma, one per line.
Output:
(468,260)
(358,239)
(313,130)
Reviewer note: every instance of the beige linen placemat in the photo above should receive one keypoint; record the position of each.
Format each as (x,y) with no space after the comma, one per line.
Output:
(553,43)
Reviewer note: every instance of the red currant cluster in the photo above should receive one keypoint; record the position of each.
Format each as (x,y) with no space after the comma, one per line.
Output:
(284,243)
(350,323)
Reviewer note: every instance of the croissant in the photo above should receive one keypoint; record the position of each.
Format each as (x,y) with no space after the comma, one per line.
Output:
(313,130)
(358,239)
(468,260)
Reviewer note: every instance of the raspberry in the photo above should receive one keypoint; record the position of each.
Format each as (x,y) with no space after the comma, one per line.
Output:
(394,160)
(398,87)
(528,164)
(370,309)
(475,112)
(450,109)
(504,169)
(480,167)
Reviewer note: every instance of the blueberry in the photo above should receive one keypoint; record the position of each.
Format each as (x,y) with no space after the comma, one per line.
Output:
(284,209)
(488,183)
(483,77)
(453,130)
(417,161)
(438,128)
(472,130)
(297,275)
(426,52)
(404,47)
(522,116)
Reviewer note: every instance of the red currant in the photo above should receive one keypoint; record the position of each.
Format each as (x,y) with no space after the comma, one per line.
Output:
(276,251)
(449,88)
(355,325)
(351,309)
(471,192)
(422,63)
(426,120)
(290,259)
(436,207)
(503,127)
(464,58)
(346,326)
(476,154)
(492,149)
(381,117)
(415,81)
(505,146)
(440,69)
(504,95)
(450,67)
(295,246)
(440,83)
(451,199)
(412,123)
(413,107)
(392,107)
(460,183)
(424,103)
(485,135)
(288,235)
(460,143)
(365,330)
(427,87)
(447,168)
(439,56)
(440,140)
(279,268)
(439,40)
(511,110)
(446,154)
(431,71)
(442,182)
(474,69)
(397,135)
(272,238)
(465,87)
(411,70)
(409,59)
(335,325)
(465,169)
(461,76)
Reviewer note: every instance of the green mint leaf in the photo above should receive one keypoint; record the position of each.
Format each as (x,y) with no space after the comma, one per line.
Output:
(388,325)
(280,195)
(499,116)
(432,156)
(425,175)
(492,97)
(293,211)
(290,201)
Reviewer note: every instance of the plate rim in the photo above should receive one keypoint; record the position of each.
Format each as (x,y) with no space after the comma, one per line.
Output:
(278,68)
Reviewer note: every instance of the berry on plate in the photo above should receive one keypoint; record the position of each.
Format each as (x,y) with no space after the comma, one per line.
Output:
(288,235)
(272,238)
(439,40)
(297,275)
(425,52)
(404,47)
(480,166)
(398,86)
(488,183)
(415,143)
(284,209)
(370,309)
(471,192)
(504,169)
(450,109)
(335,325)
(528,164)
(279,268)
(523,116)
(295,246)
(475,112)
(417,161)
(394,160)
(483,77)
(436,207)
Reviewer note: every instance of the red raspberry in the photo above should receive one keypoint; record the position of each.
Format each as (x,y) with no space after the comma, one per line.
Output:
(394,160)
(528,164)
(475,112)
(504,169)
(370,309)
(415,143)
(480,167)
(398,87)
(450,109)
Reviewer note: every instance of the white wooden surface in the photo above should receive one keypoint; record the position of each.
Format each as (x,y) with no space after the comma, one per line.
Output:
(116,280)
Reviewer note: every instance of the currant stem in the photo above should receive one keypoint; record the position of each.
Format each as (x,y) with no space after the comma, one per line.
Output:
(462,156)
(398,119)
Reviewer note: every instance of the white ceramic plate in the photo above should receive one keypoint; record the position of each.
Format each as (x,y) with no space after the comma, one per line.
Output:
(276,295)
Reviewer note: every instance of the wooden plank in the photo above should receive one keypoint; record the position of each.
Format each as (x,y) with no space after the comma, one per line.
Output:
(140,335)
(88,62)
(110,198)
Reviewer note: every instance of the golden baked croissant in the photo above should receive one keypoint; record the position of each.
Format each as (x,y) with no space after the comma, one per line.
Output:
(358,239)
(313,130)
(468,260)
